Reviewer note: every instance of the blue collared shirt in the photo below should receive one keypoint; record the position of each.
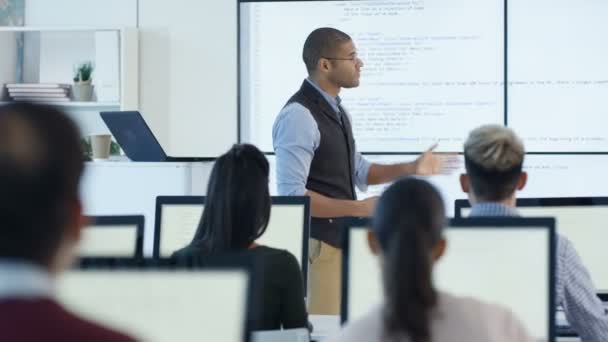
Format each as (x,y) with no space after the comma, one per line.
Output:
(574,289)
(295,137)
(24,280)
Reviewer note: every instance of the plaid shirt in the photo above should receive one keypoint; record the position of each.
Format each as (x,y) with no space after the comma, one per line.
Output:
(575,291)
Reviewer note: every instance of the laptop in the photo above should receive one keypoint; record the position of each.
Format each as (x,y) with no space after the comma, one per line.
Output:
(136,139)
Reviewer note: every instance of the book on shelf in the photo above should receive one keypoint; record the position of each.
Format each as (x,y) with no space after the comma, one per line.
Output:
(41,99)
(37,85)
(45,95)
(38,90)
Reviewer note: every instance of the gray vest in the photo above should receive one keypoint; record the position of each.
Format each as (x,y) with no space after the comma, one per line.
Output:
(333,165)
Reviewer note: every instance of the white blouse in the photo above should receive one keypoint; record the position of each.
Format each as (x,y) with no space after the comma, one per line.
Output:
(455,319)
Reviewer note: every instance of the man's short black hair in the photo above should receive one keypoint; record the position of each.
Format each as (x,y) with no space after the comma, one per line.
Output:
(40,167)
(322,42)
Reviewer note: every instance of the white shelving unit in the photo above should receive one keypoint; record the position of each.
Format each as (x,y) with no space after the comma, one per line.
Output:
(48,55)
(77,104)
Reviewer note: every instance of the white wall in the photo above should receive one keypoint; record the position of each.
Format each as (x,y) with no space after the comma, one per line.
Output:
(82,13)
(188,70)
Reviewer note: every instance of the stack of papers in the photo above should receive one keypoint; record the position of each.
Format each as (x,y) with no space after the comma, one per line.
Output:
(39,92)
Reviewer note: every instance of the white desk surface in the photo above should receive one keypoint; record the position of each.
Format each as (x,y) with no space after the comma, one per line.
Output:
(324,326)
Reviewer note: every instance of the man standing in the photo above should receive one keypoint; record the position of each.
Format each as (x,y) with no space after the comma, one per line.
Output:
(317,157)
(40,222)
(494,156)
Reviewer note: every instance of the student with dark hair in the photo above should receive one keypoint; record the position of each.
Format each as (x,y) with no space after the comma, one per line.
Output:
(40,222)
(237,211)
(494,157)
(408,237)
(317,156)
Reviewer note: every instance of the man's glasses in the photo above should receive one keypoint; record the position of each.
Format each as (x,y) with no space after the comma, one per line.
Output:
(353,58)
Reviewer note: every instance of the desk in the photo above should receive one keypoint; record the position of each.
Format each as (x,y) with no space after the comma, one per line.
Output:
(324,326)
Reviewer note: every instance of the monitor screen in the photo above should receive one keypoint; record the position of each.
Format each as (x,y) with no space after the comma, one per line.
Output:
(423,62)
(587,228)
(287,228)
(112,236)
(583,221)
(472,251)
(160,305)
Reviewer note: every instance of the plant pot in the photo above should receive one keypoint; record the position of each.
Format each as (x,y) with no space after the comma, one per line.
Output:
(100,146)
(82,92)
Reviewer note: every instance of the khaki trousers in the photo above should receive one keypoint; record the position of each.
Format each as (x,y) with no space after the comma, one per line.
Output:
(324,278)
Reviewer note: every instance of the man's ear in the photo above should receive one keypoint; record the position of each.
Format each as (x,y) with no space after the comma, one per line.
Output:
(523,180)
(372,242)
(77,221)
(439,249)
(465,183)
(323,65)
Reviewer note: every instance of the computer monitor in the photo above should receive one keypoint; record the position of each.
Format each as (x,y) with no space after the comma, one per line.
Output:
(583,220)
(509,261)
(158,301)
(112,236)
(177,218)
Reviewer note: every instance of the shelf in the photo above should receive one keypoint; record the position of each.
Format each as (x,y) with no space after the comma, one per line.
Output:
(57,29)
(75,104)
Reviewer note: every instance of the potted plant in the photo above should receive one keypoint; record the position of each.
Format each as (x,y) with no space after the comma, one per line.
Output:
(82,90)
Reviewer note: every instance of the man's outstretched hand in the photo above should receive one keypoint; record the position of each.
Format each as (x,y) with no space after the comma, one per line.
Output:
(430,164)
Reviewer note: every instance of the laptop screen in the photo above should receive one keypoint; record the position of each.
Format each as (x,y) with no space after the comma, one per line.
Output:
(161,305)
(583,221)
(112,236)
(134,136)
(474,265)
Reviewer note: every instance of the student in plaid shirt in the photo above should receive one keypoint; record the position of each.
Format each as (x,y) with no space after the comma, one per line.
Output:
(494,157)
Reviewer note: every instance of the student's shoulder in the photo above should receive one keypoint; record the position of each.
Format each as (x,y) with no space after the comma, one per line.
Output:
(498,320)
(75,328)
(565,247)
(275,254)
(188,252)
(458,306)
